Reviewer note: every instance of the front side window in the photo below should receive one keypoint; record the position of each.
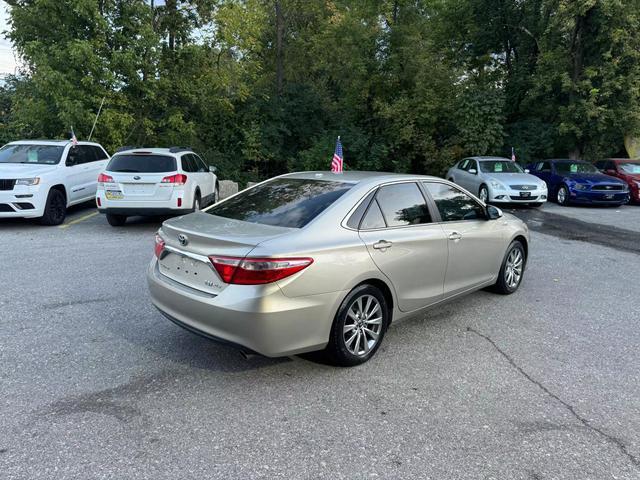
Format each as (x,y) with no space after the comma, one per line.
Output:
(464,164)
(99,153)
(202,168)
(500,166)
(283,202)
(131,163)
(403,204)
(41,154)
(454,205)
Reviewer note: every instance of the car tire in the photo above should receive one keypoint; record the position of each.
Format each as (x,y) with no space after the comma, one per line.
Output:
(55,210)
(536,205)
(350,347)
(483,193)
(116,220)
(196,202)
(216,195)
(511,270)
(562,197)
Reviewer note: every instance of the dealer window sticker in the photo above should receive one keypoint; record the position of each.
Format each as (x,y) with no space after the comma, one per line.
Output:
(32,156)
(498,167)
(574,168)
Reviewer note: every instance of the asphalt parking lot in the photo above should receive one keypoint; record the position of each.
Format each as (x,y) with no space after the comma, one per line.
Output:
(542,384)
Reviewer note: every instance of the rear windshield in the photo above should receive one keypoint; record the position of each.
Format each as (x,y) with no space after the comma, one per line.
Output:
(285,202)
(142,164)
(42,154)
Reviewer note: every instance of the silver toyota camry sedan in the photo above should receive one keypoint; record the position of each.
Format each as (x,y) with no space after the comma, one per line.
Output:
(322,261)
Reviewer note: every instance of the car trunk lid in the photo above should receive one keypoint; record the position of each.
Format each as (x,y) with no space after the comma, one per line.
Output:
(191,239)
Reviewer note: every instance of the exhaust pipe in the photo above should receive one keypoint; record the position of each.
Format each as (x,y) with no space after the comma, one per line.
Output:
(248,354)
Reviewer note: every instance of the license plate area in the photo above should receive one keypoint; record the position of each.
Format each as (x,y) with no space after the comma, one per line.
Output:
(113,195)
(608,196)
(525,194)
(139,188)
(189,271)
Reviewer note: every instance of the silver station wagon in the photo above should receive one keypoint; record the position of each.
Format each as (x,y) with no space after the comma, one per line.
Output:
(321,261)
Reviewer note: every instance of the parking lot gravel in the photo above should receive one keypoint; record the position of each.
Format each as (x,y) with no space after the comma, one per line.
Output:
(542,384)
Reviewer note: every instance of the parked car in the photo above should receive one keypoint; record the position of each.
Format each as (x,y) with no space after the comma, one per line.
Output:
(42,178)
(626,170)
(155,181)
(316,260)
(576,181)
(498,180)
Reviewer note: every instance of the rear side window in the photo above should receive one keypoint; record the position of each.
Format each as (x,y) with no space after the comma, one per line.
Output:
(453,204)
(284,202)
(142,164)
(403,204)
(373,218)
(188,163)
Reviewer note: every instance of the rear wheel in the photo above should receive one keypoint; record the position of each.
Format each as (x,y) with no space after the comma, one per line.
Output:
(196,202)
(358,327)
(512,269)
(55,209)
(216,194)
(563,196)
(116,220)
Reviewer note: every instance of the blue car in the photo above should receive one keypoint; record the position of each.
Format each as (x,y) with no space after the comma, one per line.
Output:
(575,181)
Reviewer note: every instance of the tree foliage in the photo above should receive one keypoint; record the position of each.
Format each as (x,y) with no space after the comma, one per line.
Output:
(265,86)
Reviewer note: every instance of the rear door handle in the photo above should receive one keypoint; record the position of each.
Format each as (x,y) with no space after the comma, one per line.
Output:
(455,236)
(382,245)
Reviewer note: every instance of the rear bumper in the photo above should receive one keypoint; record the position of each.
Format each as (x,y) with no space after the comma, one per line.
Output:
(144,211)
(257,318)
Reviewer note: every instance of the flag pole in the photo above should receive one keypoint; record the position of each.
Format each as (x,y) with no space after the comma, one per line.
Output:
(96,119)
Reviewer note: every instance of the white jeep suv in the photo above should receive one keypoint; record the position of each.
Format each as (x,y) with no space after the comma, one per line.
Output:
(41,178)
(155,181)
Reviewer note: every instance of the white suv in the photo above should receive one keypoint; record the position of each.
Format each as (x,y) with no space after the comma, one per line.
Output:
(41,178)
(155,181)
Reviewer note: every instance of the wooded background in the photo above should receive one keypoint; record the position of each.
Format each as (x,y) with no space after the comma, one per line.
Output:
(261,87)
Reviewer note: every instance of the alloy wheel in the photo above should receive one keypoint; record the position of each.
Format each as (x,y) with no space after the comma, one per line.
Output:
(58,208)
(562,195)
(484,194)
(513,268)
(363,325)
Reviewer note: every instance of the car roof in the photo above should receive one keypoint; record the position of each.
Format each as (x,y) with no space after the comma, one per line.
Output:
(352,176)
(634,160)
(57,143)
(490,159)
(564,160)
(154,151)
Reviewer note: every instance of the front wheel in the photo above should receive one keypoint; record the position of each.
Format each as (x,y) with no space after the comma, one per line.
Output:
(55,210)
(563,196)
(483,194)
(512,269)
(358,327)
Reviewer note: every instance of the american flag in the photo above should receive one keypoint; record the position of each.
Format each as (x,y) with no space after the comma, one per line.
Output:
(74,140)
(338,159)
(513,154)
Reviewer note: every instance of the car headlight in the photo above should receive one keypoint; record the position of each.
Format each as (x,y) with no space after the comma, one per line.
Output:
(28,181)
(497,185)
(581,186)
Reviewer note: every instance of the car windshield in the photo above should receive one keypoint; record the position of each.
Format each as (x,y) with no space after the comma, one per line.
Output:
(142,164)
(575,167)
(283,202)
(500,166)
(36,154)
(630,167)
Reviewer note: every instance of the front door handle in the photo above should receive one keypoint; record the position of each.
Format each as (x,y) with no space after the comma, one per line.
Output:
(455,236)
(382,245)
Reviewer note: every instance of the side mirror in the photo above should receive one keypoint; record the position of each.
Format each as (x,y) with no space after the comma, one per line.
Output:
(212,169)
(526,170)
(494,212)
(473,171)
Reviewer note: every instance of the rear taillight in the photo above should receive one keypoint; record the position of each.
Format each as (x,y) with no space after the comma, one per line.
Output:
(177,179)
(103,178)
(159,246)
(256,271)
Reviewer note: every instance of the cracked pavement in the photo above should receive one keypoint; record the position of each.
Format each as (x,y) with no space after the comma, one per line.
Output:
(543,384)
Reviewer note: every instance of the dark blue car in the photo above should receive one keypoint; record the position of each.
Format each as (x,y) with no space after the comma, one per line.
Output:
(575,181)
